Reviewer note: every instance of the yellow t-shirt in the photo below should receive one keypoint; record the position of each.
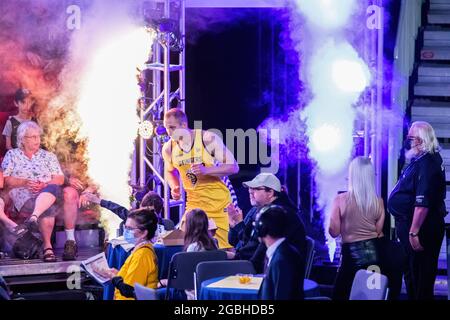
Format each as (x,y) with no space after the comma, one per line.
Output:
(205,192)
(140,267)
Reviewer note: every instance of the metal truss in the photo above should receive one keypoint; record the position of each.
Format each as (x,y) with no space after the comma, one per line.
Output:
(164,83)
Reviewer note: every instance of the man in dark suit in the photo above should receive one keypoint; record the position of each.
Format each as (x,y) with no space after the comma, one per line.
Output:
(285,266)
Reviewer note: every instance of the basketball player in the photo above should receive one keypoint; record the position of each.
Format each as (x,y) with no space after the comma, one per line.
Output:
(201,159)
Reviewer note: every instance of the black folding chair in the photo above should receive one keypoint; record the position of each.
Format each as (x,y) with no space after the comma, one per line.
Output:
(182,268)
(212,269)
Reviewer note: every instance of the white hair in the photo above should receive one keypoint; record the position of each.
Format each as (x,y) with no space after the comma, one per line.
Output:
(425,132)
(361,184)
(22,131)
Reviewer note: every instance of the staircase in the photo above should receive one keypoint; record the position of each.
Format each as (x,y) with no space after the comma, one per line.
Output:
(431,96)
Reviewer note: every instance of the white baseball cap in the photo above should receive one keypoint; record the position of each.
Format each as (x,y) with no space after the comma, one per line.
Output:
(268,180)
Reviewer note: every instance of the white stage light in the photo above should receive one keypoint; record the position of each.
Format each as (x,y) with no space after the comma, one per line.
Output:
(327,14)
(326,138)
(146,129)
(337,72)
(350,76)
(329,128)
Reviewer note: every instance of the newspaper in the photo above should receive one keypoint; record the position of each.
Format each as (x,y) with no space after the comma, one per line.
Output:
(98,262)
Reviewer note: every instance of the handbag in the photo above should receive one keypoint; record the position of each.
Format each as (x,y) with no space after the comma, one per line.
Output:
(27,246)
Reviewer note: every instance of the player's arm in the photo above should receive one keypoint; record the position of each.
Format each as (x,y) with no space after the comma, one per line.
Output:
(227,163)
(170,172)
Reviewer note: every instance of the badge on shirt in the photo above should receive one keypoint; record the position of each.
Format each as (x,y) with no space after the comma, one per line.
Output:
(419,199)
(192,177)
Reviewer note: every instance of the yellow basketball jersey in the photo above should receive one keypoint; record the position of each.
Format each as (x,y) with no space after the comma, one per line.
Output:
(205,192)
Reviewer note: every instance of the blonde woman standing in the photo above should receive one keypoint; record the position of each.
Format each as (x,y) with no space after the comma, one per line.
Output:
(358,217)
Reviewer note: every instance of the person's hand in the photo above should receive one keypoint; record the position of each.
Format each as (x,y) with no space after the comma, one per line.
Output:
(35,186)
(87,198)
(230,255)
(239,216)
(199,169)
(162,283)
(415,243)
(234,214)
(105,273)
(231,209)
(175,192)
(30,184)
(113,272)
(75,183)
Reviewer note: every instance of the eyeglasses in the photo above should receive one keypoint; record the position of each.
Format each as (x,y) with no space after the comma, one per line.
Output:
(412,138)
(259,188)
(36,137)
(130,228)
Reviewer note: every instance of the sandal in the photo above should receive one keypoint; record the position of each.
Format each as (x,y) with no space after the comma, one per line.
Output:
(49,256)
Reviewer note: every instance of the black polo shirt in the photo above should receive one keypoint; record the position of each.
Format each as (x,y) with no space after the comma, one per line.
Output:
(422,184)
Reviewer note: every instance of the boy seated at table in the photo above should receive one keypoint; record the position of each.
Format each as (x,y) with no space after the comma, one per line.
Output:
(285,266)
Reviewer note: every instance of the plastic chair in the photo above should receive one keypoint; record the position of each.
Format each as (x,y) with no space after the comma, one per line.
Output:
(309,259)
(368,285)
(212,269)
(182,268)
(144,293)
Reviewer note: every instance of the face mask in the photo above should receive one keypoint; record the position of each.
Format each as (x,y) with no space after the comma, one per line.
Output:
(129,236)
(408,144)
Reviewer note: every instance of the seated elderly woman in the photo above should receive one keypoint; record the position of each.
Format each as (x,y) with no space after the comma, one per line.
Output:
(35,178)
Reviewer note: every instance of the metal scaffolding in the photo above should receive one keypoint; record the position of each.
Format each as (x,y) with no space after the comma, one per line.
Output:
(167,84)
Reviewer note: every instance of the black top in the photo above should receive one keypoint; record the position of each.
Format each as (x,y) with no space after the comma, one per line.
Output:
(285,276)
(243,238)
(422,184)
